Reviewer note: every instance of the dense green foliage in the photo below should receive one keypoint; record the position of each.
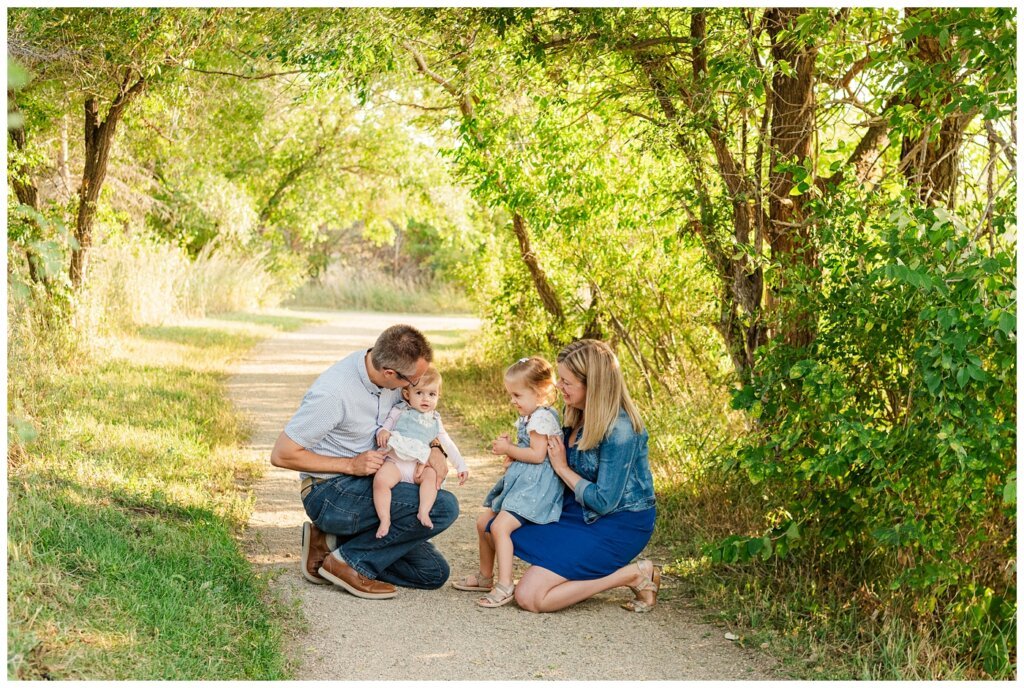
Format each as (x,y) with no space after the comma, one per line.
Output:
(891,439)
(813,210)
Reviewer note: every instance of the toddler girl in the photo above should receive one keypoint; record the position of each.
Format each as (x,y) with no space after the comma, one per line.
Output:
(406,435)
(529,490)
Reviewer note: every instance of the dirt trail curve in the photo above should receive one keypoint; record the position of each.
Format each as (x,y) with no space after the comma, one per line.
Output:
(442,634)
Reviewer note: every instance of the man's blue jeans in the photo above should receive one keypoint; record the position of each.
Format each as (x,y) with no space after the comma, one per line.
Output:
(343,506)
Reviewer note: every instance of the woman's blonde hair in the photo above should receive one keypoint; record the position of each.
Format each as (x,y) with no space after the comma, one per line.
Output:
(537,374)
(594,364)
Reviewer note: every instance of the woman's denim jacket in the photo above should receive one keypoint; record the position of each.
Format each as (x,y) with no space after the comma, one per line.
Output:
(616,475)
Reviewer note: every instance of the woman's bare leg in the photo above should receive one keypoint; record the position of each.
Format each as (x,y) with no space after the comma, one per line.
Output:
(502,528)
(541,590)
(386,477)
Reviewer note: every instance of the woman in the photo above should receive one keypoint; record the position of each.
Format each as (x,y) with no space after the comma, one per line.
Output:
(608,510)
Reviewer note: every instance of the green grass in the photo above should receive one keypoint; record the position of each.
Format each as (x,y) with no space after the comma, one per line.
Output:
(123,516)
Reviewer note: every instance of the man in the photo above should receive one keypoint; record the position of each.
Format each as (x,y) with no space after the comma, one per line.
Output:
(330,440)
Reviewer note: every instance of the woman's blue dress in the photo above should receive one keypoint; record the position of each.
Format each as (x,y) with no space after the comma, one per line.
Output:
(577,550)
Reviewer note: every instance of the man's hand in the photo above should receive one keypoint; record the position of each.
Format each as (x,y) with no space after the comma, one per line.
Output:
(382,438)
(367,463)
(439,463)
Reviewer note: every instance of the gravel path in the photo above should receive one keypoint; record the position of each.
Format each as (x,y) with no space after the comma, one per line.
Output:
(442,634)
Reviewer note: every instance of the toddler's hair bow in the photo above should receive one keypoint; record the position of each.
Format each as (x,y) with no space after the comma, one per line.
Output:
(523,360)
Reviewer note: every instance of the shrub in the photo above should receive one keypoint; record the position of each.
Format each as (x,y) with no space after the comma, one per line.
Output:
(889,442)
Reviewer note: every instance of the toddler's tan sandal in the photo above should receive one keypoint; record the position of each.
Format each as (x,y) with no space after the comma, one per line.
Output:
(498,596)
(474,582)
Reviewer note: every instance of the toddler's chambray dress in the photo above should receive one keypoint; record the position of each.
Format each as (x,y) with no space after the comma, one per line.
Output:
(531,491)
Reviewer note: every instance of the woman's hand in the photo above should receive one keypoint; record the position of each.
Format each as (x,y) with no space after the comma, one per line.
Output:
(501,445)
(556,452)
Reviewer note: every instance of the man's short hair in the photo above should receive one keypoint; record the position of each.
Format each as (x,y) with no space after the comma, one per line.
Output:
(399,348)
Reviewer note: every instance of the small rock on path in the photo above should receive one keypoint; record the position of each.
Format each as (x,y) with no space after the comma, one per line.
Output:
(442,634)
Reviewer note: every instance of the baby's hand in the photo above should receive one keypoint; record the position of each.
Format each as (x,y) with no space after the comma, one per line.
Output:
(382,438)
(462,476)
(501,445)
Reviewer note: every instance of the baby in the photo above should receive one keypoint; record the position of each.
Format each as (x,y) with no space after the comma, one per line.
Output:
(406,435)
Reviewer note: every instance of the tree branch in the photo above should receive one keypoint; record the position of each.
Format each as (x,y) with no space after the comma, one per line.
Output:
(252,77)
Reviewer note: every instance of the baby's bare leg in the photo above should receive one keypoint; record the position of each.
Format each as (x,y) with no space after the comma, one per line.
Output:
(386,477)
(427,480)
(501,529)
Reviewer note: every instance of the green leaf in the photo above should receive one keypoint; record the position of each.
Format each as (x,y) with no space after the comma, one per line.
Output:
(793,532)
(17,77)
(24,429)
(977,373)
(19,290)
(1008,322)
(1010,489)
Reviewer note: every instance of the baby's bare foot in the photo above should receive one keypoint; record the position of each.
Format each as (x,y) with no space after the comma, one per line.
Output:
(383,530)
(425,520)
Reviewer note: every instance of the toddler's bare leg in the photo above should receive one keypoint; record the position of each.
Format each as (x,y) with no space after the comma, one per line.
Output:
(386,477)
(486,543)
(428,494)
(502,528)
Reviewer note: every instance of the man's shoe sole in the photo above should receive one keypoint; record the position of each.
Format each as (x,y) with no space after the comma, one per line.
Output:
(355,591)
(305,557)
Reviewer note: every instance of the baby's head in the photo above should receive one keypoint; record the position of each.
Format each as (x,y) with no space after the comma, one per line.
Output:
(425,395)
(530,383)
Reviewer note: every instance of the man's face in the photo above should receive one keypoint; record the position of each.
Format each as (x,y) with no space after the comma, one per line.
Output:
(399,379)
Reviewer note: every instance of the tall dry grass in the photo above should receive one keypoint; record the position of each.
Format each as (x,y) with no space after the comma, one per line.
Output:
(151,283)
(348,288)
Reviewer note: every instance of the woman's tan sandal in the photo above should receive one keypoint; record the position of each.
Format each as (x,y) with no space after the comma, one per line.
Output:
(498,596)
(474,582)
(650,583)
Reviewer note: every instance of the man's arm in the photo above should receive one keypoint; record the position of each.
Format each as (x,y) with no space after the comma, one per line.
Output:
(287,453)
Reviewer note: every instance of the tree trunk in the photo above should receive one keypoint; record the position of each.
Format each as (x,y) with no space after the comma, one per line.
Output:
(547,294)
(99,136)
(930,160)
(63,168)
(27,193)
(741,280)
(24,188)
(792,131)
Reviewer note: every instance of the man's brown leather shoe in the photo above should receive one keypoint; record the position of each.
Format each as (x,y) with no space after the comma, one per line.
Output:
(314,550)
(341,574)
